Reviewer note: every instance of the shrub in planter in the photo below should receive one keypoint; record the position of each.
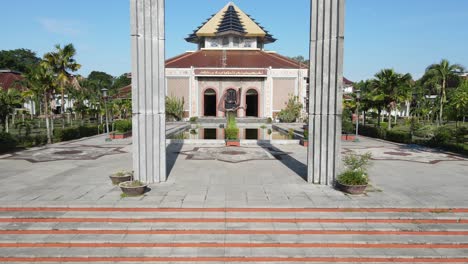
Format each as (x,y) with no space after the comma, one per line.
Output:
(232,131)
(305,140)
(292,111)
(133,188)
(121,176)
(354,179)
(123,126)
(193,120)
(291,133)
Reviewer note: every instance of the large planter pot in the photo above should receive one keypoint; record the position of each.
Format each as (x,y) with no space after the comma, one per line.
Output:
(119,179)
(132,190)
(304,142)
(232,143)
(351,189)
(348,137)
(117,135)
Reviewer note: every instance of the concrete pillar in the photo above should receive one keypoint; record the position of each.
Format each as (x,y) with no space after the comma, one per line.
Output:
(326,84)
(148,90)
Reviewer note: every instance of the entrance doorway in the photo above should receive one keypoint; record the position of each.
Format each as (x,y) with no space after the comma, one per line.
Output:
(251,100)
(209,102)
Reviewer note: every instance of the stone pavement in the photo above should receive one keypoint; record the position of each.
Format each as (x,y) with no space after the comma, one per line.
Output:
(213,176)
(236,205)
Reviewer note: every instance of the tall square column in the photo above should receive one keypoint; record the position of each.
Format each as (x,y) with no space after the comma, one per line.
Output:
(148,90)
(326,86)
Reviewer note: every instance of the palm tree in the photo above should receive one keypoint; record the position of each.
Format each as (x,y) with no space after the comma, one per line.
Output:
(387,88)
(442,72)
(459,101)
(9,101)
(63,63)
(41,80)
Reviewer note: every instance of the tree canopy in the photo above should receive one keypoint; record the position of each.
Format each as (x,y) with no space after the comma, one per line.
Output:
(21,60)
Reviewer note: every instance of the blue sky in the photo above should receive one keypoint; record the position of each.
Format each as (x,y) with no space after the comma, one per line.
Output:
(406,35)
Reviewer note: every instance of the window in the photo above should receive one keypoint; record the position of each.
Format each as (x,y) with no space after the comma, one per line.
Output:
(236,41)
(225,42)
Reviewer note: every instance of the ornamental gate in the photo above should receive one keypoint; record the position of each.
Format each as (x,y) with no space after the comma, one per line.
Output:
(325,90)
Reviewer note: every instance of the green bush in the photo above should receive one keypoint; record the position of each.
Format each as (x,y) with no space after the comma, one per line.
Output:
(347,126)
(398,136)
(291,133)
(292,111)
(424,131)
(74,133)
(306,134)
(193,119)
(352,178)
(174,108)
(231,131)
(123,126)
(443,134)
(371,131)
(356,169)
(7,142)
(65,134)
(269,120)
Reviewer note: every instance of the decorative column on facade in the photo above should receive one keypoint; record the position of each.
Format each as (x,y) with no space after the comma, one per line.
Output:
(325,96)
(148,90)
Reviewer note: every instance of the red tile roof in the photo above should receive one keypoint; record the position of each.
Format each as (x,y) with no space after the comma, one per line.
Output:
(234,59)
(8,80)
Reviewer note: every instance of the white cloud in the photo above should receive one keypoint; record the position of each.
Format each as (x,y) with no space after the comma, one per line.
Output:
(61,27)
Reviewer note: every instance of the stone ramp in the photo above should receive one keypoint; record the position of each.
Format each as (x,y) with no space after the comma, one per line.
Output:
(233,235)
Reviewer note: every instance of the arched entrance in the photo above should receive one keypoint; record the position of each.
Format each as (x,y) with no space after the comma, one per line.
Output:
(251,101)
(209,102)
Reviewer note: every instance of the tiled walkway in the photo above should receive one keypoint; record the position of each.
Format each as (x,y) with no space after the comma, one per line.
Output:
(245,205)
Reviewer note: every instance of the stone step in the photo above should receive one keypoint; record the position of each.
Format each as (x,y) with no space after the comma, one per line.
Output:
(233,235)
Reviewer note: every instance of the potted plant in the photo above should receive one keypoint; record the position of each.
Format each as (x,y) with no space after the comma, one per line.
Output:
(354,179)
(123,129)
(133,188)
(232,132)
(347,127)
(305,139)
(121,176)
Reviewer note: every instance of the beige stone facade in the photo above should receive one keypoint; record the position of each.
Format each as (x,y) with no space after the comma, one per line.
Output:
(264,91)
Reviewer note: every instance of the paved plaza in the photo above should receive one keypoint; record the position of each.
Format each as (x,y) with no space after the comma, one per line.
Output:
(230,205)
(76,174)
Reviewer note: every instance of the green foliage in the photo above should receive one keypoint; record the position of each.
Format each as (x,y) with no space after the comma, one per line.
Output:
(371,131)
(269,120)
(9,100)
(356,169)
(74,133)
(123,126)
(269,131)
(231,131)
(174,108)
(193,119)
(352,178)
(292,111)
(7,142)
(22,60)
(398,136)
(291,133)
(104,80)
(121,82)
(263,127)
(306,134)
(347,126)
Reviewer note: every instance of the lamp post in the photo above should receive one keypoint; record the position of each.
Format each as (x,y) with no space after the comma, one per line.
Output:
(104,95)
(358,97)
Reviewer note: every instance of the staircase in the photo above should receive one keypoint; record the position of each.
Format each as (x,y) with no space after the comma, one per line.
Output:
(233,235)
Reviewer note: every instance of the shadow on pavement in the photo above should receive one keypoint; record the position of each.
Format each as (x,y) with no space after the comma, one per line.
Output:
(293,164)
(172,152)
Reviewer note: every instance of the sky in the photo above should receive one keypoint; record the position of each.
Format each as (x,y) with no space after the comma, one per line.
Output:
(407,35)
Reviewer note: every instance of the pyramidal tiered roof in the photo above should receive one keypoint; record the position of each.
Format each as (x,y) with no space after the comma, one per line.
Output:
(230,19)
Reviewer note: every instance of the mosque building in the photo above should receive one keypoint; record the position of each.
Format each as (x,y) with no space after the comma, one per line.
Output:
(232,63)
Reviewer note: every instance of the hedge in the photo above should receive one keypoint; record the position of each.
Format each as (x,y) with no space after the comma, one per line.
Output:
(398,136)
(74,133)
(7,142)
(123,126)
